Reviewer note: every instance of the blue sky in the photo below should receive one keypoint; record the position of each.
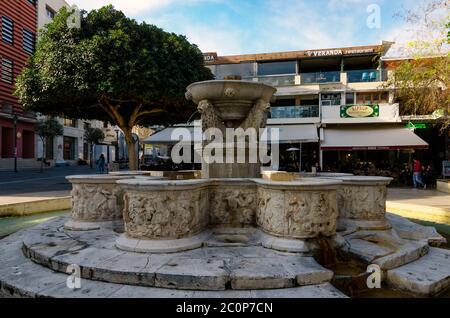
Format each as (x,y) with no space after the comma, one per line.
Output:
(257,26)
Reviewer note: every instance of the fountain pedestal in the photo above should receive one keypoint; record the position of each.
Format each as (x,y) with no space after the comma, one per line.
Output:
(236,107)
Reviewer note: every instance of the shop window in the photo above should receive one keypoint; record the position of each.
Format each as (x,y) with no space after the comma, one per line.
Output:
(69,148)
(28,41)
(7,30)
(7,71)
(277,68)
(7,142)
(27,144)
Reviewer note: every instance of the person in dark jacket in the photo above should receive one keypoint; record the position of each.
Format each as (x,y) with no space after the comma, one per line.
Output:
(101,163)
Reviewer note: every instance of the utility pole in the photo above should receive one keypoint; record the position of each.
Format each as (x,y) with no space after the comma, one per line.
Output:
(15,119)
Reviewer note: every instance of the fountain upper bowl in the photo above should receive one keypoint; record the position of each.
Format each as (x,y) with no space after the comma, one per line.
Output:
(232,98)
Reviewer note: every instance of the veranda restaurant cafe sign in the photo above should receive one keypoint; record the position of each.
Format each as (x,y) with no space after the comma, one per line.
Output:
(360,111)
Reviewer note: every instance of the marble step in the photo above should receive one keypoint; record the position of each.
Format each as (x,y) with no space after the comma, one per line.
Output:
(206,268)
(385,248)
(20,277)
(426,276)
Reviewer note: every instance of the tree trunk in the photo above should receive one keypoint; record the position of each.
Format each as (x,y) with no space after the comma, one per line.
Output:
(43,155)
(91,155)
(132,157)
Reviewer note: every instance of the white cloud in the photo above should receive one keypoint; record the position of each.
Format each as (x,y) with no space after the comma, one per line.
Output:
(226,42)
(302,27)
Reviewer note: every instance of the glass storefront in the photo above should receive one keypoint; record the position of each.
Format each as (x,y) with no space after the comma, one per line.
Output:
(69,148)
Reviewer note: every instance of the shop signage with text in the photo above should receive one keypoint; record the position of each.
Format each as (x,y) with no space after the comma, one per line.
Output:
(360,111)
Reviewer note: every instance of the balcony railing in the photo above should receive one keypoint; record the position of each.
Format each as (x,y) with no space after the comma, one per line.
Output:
(283,80)
(320,77)
(294,111)
(361,76)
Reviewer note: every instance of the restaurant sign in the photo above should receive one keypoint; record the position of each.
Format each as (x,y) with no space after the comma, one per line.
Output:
(210,57)
(360,111)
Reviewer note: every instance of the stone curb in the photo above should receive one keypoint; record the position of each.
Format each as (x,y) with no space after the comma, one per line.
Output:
(35,206)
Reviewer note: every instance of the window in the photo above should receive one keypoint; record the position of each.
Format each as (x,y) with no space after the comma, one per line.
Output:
(277,68)
(49,12)
(244,70)
(70,122)
(372,98)
(7,71)
(7,30)
(331,99)
(28,41)
(349,98)
(33,2)
(7,108)
(283,102)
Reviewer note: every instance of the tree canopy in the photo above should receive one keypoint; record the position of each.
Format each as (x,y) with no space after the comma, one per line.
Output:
(421,82)
(113,69)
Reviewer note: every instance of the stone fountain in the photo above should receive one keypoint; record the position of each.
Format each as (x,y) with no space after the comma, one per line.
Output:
(228,233)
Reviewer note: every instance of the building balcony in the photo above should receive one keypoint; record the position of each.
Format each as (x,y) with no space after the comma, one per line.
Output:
(320,77)
(294,114)
(363,76)
(294,111)
(277,80)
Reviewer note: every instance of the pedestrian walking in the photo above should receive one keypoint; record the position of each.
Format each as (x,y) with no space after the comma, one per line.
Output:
(417,174)
(101,163)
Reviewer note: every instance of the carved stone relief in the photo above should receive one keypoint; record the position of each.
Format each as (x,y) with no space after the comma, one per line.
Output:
(233,206)
(362,202)
(96,202)
(165,215)
(299,214)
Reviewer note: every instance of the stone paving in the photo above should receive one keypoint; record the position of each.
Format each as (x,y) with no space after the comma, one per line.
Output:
(425,205)
(431,198)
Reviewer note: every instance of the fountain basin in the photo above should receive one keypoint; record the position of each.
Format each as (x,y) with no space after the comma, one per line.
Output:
(176,210)
(362,202)
(96,200)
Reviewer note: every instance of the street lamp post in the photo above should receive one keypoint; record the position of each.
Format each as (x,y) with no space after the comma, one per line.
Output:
(15,120)
(117,144)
